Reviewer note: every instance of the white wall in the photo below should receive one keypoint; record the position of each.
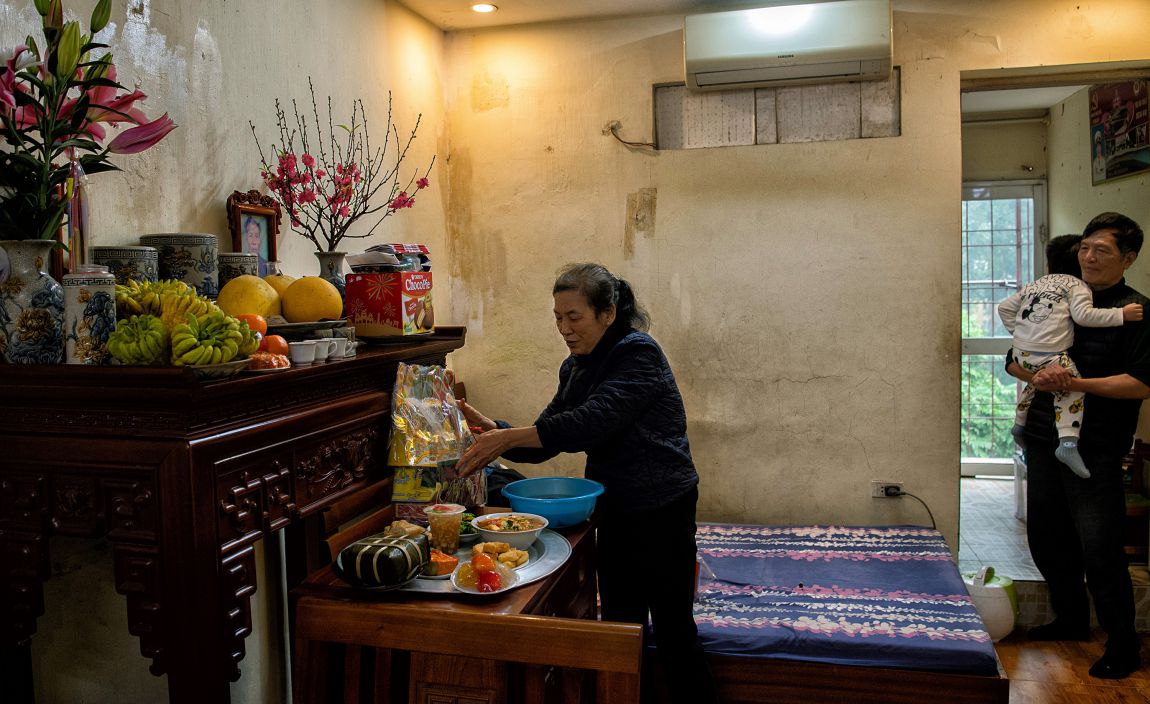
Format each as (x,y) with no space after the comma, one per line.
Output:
(807,295)
(1002,151)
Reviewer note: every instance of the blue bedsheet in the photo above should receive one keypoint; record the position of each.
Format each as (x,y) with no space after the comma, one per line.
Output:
(887,596)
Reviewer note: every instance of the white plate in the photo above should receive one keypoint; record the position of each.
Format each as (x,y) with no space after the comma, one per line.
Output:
(510,581)
(249,370)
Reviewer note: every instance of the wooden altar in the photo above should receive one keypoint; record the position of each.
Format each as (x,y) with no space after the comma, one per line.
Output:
(183,478)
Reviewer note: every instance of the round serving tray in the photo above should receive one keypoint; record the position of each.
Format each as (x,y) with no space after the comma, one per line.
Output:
(310,326)
(545,555)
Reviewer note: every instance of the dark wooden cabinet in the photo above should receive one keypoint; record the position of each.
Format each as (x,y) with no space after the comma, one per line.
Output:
(183,478)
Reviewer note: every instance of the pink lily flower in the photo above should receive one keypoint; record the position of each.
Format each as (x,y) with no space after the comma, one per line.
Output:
(118,109)
(146,136)
(14,63)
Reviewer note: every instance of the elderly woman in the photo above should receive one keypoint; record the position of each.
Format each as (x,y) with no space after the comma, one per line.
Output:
(618,402)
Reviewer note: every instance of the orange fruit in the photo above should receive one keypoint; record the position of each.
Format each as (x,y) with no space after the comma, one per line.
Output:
(256,322)
(275,344)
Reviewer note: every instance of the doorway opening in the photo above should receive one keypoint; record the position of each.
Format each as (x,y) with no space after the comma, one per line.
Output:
(1026,177)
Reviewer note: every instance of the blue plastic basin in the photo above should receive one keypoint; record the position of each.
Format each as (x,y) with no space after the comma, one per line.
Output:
(563,501)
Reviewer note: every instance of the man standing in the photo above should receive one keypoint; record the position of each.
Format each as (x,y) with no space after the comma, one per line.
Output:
(1075,525)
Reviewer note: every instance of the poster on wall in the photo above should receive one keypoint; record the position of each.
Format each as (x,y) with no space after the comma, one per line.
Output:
(1119,143)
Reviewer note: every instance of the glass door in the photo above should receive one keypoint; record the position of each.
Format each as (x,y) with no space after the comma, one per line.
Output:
(1003,235)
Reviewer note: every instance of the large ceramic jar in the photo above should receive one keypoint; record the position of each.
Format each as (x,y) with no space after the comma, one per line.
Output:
(233,264)
(189,257)
(129,263)
(31,304)
(89,314)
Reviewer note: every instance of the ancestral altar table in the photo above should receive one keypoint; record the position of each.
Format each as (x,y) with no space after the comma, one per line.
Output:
(183,478)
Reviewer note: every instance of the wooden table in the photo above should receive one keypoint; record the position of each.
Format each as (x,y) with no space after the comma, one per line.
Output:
(520,645)
(183,478)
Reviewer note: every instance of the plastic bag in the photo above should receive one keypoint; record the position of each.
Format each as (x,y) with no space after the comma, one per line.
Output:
(427,426)
(428,435)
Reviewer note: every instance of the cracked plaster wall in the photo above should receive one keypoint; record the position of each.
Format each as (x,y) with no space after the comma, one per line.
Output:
(807,295)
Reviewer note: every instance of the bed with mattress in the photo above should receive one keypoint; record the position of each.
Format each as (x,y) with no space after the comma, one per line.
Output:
(840,613)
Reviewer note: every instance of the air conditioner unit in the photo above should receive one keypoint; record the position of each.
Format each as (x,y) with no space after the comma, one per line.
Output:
(781,45)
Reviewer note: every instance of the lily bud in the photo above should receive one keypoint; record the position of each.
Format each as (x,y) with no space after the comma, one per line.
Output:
(141,138)
(100,15)
(54,17)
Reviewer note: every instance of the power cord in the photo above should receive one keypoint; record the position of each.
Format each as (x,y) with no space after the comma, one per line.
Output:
(613,129)
(928,511)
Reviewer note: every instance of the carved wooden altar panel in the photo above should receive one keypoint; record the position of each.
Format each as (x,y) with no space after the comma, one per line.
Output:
(183,478)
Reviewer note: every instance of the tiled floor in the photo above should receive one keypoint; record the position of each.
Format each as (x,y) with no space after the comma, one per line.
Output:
(989,534)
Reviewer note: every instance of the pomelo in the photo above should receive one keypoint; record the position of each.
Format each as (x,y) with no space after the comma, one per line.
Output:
(250,295)
(279,282)
(312,298)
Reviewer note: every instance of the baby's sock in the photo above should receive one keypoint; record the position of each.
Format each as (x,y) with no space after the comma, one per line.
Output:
(1018,432)
(1067,454)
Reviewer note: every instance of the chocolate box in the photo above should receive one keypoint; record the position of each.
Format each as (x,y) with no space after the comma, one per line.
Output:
(390,304)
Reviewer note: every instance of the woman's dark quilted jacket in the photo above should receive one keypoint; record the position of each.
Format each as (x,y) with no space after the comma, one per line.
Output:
(621,406)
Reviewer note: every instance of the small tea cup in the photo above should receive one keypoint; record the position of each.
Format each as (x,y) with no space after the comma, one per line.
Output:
(302,353)
(322,349)
(338,348)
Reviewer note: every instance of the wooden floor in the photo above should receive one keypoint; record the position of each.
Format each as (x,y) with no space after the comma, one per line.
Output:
(1056,673)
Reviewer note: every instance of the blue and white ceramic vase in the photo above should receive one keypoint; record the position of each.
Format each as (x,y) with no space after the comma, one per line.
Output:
(129,263)
(89,314)
(331,270)
(189,257)
(31,304)
(233,264)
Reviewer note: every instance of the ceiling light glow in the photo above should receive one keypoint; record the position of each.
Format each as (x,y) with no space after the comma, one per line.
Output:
(780,20)
(484,7)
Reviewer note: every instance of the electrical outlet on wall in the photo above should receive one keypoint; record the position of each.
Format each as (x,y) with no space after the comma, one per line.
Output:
(885,489)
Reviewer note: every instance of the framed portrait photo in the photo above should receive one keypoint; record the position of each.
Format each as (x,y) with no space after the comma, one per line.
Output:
(254,221)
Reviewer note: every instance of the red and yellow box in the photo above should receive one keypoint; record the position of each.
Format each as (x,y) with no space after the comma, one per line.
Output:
(390,304)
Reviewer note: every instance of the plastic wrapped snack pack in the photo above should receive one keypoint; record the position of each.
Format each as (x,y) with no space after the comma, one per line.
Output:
(429,434)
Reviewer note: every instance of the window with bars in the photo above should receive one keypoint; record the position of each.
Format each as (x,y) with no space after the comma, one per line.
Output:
(1003,225)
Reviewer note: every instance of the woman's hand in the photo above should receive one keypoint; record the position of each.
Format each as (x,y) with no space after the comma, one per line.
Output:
(492,443)
(488,445)
(478,422)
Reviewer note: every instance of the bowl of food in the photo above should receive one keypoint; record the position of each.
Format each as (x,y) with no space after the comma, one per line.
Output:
(516,529)
(467,532)
(563,501)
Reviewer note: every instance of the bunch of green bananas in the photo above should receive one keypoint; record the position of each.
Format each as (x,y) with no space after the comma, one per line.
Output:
(210,339)
(141,339)
(176,306)
(144,297)
(249,339)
